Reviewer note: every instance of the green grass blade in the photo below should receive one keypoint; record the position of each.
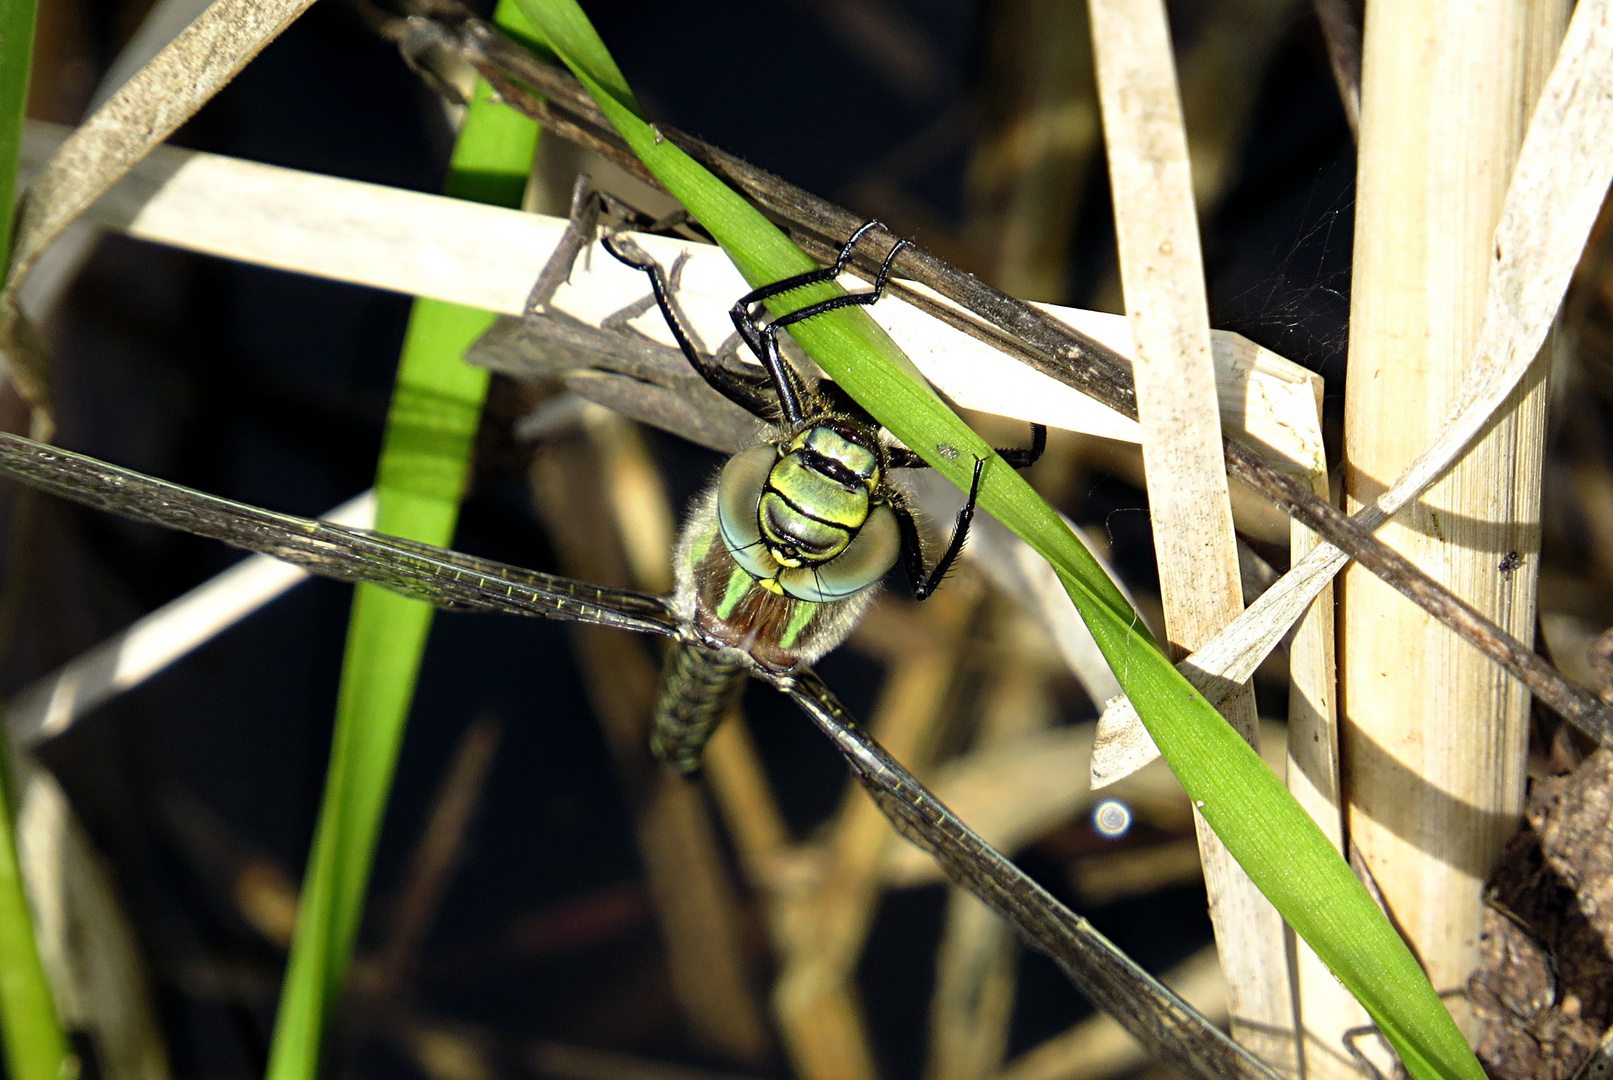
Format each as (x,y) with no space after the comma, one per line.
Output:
(35,1046)
(436,408)
(1265,829)
(17,19)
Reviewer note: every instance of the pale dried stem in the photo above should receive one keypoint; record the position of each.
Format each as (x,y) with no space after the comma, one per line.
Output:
(1433,739)
(147,109)
(1156,224)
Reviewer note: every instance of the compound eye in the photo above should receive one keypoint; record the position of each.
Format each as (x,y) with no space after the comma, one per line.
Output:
(739,494)
(866,559)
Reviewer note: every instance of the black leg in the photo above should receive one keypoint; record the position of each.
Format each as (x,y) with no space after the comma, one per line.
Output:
(1017,456)
(763,340)
(912,548)
(750,396)
(1021,458)
(786,381)
(812,277)
(866,297)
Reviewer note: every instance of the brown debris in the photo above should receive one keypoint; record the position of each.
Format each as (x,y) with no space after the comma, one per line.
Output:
(1544,989)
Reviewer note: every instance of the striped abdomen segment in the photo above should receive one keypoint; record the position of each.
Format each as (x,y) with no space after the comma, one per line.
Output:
(697,687)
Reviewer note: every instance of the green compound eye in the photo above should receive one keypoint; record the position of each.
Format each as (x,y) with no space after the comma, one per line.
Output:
(739,492)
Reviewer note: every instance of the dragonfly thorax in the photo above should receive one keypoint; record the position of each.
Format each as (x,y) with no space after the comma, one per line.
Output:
(804,517)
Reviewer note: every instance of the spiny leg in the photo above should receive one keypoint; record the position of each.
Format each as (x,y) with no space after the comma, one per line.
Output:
(580,228)
(1018,457)
(763,340)
(912,547)
(812,277)
(748,395)
(866,297)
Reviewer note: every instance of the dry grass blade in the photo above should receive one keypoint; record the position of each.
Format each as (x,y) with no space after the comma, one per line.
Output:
(134,654)
(1156,224)
(145,111)
(488,257)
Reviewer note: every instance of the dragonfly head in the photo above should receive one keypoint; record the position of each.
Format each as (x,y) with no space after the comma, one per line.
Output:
(801,517)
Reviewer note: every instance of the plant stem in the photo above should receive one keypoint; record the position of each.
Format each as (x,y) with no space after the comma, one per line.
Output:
(425,460)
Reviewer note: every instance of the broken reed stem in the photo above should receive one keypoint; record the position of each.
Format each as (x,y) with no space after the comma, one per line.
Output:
(1433,737)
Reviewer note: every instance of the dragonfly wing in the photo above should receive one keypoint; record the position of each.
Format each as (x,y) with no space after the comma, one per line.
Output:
(1157,1017)
(442,577)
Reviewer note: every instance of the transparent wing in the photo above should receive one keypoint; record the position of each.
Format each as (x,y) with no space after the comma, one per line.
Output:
(1157,1017)
(445,578)
(1152,1013)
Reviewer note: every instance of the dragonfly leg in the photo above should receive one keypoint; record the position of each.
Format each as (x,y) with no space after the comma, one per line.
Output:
(763,340)
(923,584)
(750,395)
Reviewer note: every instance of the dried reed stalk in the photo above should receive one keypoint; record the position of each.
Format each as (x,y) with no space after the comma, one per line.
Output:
(1162,271)
(1433,736)
(1326,1011)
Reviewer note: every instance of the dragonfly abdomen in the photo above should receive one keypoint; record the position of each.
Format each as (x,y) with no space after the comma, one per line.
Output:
(698,685)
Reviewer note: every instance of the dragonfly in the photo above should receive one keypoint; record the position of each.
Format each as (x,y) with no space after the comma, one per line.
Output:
(1170,1028)
(780,556)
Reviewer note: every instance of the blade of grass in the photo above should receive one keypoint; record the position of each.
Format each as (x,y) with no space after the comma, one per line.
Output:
(436,407)
(35,1046)
(1266,830)
(17,18)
